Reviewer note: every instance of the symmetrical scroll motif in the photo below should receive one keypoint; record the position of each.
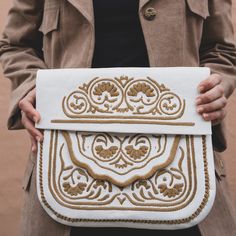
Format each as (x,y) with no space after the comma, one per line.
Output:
(121,158)
(117,152)
(167,189)
(124,97)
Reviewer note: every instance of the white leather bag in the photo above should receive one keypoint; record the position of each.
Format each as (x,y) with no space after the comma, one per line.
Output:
(124,147)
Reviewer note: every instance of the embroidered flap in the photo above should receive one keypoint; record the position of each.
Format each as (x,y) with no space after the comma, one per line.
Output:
(151,100)
(141,168)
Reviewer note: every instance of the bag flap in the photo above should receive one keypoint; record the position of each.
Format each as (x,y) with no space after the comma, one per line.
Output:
(123,100)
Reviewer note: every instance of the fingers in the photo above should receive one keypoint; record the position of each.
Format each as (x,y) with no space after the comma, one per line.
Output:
(33,144)
(29,125)
(209,83)
(29,110)
(27,107)
(29,117)
(211,103)
(212,106)
(211,95)
(215,116)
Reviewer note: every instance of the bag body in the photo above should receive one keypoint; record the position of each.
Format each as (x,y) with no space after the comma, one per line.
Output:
(124,147)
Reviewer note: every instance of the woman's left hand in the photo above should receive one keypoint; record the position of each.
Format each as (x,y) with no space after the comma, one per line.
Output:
(211,102)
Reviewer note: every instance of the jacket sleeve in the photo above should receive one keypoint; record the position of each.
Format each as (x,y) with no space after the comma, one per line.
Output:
(21,52)
(218,52)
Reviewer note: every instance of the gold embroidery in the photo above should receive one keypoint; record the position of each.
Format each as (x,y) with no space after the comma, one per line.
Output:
(170,192)
(134,100)
(124,163)
(164,189)
(74,191)
(106,153)
(121,163)
(111,121)
(106,87)
(141,87)
(94,191)
(122,199)
(136,154)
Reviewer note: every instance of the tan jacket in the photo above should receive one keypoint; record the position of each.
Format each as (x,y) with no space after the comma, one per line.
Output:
(60,34)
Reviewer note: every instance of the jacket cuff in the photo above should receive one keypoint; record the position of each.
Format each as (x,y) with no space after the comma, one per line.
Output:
(14,118)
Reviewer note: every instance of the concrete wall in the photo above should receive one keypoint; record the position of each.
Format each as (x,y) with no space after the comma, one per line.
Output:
(14,148)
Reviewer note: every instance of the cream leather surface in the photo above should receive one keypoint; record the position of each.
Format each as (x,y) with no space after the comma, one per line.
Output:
(124,147)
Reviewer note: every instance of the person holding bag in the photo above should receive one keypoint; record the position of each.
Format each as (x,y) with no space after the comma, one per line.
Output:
(50,34)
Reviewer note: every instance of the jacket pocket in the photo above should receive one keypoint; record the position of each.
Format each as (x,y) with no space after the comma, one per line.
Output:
(28,173)
(198,7)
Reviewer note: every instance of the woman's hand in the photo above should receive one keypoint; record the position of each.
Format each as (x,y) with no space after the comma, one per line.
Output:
(29,117)
(211,102)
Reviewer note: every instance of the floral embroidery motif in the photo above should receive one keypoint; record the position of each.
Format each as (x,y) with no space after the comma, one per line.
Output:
(141,195)
(168,188)
(114,155)
(106,153)
(74,191)
(106,87)
(122,171)
(171,192)
(123,97)
(136,154)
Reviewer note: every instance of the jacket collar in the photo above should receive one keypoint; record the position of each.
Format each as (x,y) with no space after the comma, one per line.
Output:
(86,7)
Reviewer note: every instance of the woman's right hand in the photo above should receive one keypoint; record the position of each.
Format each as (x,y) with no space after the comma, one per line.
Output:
(29,117)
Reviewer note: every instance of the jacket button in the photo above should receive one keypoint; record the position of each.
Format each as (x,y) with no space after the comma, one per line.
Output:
(150,13)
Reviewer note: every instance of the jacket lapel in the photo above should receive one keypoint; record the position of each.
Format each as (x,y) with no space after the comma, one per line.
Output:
(85,7)
(142,3)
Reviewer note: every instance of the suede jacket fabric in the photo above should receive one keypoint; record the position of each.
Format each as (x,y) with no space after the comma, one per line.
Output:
(44,34)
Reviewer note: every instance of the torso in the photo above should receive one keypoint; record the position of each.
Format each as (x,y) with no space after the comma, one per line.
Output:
(119,40)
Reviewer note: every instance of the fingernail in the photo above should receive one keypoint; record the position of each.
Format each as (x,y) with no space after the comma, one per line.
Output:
(200,89)
(205,116)
(33,149)
(38,139)
(198,101)
(200,110)
(35,119)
